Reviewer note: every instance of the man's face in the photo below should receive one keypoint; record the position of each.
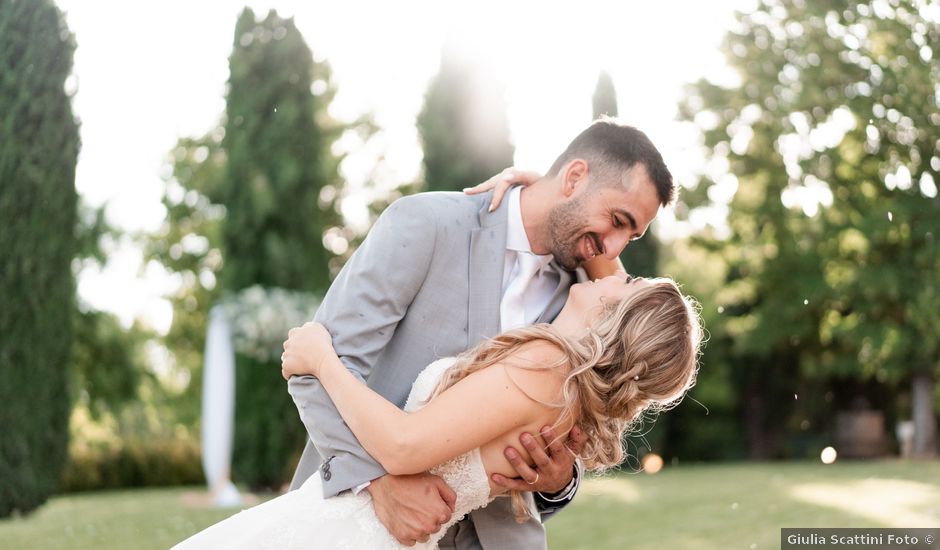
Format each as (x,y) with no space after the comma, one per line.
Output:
(601,218)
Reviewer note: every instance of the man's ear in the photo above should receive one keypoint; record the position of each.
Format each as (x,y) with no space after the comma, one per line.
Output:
(575,176)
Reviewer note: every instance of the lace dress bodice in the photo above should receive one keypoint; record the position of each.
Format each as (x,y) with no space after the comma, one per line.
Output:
(464,474)
(303,519)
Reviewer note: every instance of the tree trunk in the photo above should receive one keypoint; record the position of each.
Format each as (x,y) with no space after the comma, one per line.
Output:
(925,421)
(758,446)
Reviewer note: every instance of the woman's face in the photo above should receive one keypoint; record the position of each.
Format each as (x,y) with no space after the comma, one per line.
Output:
(589,297)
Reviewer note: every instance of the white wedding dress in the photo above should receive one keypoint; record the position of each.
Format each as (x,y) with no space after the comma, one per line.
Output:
(303,519)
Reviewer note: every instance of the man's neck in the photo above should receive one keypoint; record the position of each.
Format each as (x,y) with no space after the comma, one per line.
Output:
(532,203)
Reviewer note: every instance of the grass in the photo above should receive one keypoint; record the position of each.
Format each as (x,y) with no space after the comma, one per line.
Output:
(688,507)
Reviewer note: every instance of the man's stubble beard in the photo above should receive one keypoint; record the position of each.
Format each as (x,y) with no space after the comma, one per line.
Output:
(566,225)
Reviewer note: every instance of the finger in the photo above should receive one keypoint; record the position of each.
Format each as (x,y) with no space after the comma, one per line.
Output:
(485,186)
(523,469)
(478,188)
(513,484)
(284,374)
(447,494)
(536,450)
(501,189)
(507,179)
(556,445)
(576,440)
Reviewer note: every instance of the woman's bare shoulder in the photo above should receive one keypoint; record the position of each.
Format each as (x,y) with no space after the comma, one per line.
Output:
(539,369)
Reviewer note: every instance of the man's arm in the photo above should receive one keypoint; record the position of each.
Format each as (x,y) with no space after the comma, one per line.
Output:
(362,309)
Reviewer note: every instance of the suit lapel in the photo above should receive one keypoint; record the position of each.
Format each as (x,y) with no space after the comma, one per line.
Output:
(487,259)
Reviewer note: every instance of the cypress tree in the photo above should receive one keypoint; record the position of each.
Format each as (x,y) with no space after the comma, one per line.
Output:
(38,151)
(463,126)
(604,100)
(279,167)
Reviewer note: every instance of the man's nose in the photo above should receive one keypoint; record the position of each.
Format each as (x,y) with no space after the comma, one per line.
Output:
(614,244)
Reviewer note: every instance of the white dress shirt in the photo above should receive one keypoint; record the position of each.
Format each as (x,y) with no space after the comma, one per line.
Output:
(545,281)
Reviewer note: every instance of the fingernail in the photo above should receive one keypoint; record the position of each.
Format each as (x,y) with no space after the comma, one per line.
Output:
(509,176)
(510,453)
(526,438)
(491,208)
(465,189)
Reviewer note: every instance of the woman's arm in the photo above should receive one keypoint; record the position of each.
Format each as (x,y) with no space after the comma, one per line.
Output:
(474,411)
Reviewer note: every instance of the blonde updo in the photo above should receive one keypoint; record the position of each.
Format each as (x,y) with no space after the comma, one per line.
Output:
(640,355)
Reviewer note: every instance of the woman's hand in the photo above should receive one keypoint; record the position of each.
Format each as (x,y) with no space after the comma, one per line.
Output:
(501,182)
(306,350)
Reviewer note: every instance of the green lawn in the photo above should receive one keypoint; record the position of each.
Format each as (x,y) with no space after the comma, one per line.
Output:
(688,507)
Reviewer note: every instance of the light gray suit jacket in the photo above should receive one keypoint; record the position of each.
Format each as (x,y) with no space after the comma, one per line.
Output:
(425,284)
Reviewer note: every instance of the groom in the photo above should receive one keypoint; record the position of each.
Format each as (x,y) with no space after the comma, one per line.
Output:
(437,274)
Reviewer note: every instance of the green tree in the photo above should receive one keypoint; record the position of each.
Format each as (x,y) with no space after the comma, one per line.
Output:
(280,182)
(38,206)
(463,126)
(604,100)
(188,244)
(831,139)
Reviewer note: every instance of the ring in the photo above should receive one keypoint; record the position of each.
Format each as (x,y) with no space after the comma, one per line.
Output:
(537,474)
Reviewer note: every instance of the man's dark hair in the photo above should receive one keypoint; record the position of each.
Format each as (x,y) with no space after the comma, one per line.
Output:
(612,148)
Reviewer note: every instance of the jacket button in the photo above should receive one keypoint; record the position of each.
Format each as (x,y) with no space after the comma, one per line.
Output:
(325,469)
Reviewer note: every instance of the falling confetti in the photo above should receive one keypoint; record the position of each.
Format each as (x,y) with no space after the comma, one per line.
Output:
(805,302)
(890,217)
(828,455)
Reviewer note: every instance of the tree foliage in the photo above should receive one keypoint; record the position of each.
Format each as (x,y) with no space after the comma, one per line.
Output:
(38,206)
(832,150)
(280,181)
(463,126)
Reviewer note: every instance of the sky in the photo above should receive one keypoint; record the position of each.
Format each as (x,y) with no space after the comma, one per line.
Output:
(148,73)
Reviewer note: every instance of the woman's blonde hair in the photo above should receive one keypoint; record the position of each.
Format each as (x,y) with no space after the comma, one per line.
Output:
(639,355)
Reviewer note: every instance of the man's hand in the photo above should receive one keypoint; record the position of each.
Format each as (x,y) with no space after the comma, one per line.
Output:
(412,507)
(554,466)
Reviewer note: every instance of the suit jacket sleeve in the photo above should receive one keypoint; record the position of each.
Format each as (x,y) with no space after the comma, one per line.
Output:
(361,310)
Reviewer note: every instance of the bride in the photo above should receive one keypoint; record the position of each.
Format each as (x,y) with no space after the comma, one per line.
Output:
(619,347)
